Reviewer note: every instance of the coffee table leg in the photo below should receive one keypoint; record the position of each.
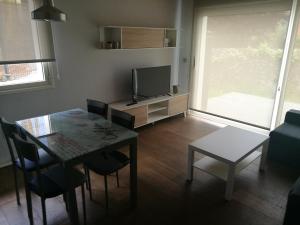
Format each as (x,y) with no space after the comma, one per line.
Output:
(264,154)
(190,168)
(230,182)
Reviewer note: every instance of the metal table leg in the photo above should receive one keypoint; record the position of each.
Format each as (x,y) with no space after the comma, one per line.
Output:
(133,173)
(72,202)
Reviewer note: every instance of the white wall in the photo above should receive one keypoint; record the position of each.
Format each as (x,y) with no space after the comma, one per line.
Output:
(87,72)
(201,3)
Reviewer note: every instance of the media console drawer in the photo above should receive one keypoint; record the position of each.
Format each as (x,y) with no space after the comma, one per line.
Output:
(141,115)
(178,104)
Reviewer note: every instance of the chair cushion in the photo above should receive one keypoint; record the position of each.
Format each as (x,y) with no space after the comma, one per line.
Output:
(54,181)
(108,162)
(58,175)
(50,188)
(45,161)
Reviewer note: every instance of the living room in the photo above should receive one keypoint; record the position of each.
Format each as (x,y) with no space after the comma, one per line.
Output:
(204,93)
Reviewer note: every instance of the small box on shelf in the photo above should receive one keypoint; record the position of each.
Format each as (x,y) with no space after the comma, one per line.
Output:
(109,38)
(170,37)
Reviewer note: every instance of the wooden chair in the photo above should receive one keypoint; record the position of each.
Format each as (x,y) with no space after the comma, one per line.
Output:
(107,163)
(48,184)
(45,160)
(285,141)
(97,107)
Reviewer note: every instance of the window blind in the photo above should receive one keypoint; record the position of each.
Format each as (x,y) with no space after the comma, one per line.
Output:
(238,53)
(23,40)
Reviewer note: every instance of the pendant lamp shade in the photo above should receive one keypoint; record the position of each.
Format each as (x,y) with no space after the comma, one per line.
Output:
(47,12)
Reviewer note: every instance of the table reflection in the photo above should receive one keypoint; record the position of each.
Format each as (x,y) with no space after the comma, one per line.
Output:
(38,127)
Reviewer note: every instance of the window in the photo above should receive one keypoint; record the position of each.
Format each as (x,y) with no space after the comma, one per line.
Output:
(26,48)
(242,61)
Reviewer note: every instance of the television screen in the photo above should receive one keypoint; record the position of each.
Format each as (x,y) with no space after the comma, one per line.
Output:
(152,81)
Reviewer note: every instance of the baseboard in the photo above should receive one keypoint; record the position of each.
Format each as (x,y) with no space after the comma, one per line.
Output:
(5,165)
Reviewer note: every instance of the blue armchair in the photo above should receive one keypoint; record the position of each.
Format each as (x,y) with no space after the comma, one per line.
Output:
(284,146)
(292,208)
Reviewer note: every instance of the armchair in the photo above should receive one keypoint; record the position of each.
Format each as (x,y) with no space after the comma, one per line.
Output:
(284,146)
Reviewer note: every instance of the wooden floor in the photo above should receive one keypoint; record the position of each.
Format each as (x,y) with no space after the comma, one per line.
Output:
(164,196)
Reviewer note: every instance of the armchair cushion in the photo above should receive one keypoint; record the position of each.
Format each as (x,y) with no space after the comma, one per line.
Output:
(293,117)
(287,130)
(293,205)
(284,146)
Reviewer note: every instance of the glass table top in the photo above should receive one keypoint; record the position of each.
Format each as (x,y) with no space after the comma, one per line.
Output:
(74,133)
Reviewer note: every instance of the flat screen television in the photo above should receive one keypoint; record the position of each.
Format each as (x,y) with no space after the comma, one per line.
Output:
(151,82)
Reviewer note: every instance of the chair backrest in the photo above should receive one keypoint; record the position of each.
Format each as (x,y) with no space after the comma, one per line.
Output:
(27,151)
(97,107)
(9,129)
(122,118)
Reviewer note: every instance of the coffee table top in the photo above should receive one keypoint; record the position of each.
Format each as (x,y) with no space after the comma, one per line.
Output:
(229,144)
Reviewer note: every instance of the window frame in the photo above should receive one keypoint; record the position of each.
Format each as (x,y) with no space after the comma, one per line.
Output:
(49,82)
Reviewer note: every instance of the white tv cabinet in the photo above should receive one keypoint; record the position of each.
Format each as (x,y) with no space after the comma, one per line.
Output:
(154,109)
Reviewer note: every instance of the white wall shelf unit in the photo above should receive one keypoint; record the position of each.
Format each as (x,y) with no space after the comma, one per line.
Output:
(122,37)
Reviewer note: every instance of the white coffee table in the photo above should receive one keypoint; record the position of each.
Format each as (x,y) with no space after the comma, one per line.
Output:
(228,151)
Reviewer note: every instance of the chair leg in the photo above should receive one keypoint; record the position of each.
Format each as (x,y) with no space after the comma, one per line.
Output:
(87,174)
(29,206)
(106,192)
(89,183)
(117,175)
(83,204)
(66,203)
(16,184)
(44,211)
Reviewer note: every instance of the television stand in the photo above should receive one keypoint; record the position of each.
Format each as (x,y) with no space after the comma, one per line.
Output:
(133,102)
(151,110)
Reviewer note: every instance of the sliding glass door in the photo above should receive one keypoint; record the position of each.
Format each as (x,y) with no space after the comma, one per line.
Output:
(291,94)
(238,59)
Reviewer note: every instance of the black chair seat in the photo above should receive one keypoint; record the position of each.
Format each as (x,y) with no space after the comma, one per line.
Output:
(54,182)
(45,160)
(50,189)
(108,162)
(58,175)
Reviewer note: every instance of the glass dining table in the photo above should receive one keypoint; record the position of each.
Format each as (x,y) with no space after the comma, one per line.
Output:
(75,135)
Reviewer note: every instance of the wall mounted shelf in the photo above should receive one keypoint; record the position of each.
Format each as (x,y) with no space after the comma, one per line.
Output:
(125,38)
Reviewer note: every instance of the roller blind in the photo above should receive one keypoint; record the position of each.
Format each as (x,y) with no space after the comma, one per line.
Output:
(238,53)
(23,40)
